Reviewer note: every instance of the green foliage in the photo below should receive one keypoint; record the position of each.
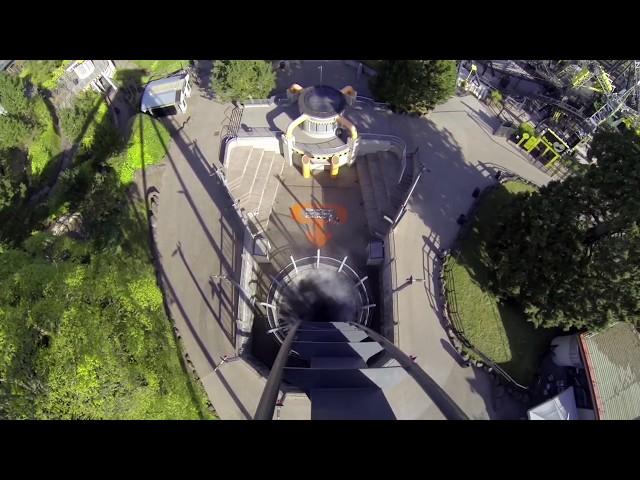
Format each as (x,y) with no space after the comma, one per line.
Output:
(84,336)
(44,73)
(238,80)
(9,190)
(496,97)
(526,127)
(79,121)
(83,332)
(495,328)
(415,85)
(19,123)
(146,147)
(14,131)
(45,146)
(12,95)
(570,254)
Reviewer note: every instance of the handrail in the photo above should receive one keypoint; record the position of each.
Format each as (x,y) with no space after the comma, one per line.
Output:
(391,139)
(440,398)
(267,403)
(419,166)
(305,262)
(456,324)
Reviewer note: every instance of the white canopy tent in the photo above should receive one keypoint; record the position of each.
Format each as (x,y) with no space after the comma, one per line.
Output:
(560,407)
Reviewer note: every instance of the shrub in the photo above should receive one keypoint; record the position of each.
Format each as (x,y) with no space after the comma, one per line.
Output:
(238,80)
(496,97)
(415,86)
(526,127)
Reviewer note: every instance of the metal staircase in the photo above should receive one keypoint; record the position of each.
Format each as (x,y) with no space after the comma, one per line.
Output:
(341,379)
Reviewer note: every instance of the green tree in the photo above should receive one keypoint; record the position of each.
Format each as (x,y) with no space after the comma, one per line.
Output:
(238,80)
(496,97)
(415,85)
(42,72)
(12,95)
(570,253)
(12,184)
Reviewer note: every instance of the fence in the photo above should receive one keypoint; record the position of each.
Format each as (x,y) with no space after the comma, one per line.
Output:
(449,310)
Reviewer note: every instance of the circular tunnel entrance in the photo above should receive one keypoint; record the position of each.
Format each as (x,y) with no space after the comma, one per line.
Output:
(317,289)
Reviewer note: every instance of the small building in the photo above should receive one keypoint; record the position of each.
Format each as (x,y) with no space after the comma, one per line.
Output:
(611,361)
(166,96)
(83,75)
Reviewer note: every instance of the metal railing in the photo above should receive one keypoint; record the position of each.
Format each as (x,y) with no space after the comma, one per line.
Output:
(372,103)
(283,279)
(419,170)
(392,139)
(456,324)
(267,403)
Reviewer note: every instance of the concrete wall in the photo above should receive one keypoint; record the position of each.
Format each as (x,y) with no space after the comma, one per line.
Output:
(270,143)
(389,281)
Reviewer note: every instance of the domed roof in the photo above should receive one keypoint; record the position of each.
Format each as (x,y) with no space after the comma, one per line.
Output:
(322,101)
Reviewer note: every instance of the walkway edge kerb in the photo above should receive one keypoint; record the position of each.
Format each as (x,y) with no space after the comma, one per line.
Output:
(453,332)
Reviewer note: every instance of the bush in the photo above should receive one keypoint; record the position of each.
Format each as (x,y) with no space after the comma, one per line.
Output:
(496,97)
(239,80)
(12,95)
(526,127)
(415,86)
(84,336)
(79,121)
(44,73)
(14,131)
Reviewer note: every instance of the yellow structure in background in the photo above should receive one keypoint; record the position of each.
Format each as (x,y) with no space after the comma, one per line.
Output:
(335,165)
(550,140)
(306,166)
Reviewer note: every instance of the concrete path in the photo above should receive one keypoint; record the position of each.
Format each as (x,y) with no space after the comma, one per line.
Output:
(457,147)
(198,235)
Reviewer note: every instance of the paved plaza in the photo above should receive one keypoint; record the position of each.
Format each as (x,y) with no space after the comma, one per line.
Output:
(198,235)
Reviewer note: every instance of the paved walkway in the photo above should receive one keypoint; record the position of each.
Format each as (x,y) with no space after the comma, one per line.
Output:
(198,236)
(461,155)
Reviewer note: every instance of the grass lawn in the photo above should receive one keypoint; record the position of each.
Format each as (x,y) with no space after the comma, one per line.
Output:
(497,330)
(146,147)
(155,69)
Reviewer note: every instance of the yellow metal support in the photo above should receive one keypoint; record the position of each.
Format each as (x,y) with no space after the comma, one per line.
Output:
(531,144)
(553,161)
(335,165)
(306,166)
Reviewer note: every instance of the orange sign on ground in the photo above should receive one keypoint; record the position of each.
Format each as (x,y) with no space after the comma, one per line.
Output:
(318,218)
